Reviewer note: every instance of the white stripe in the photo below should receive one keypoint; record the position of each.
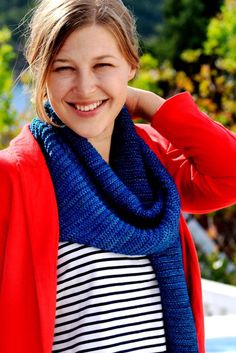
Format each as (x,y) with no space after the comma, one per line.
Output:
(123,319)
(104,281)
(110,288)
(94,298)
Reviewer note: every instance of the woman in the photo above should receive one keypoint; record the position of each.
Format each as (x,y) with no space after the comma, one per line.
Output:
(95,255)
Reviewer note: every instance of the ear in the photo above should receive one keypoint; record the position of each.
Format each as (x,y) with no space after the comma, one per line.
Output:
(132,72)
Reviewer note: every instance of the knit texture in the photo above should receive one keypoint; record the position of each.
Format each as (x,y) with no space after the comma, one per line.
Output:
(129,206)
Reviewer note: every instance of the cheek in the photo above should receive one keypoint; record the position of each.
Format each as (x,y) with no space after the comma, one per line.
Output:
(57,87)
(116,84)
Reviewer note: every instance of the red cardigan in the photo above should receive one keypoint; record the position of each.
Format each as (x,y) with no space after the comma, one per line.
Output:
(199,153)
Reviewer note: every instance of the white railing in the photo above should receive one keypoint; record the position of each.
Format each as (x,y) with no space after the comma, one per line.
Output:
(218,298)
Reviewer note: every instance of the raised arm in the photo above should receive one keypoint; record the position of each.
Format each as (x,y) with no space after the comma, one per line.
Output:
(199,153)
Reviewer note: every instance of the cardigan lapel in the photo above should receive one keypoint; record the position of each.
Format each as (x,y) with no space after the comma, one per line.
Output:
(43,230)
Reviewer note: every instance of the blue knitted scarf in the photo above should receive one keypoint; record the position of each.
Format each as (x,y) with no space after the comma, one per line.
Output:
(129,206)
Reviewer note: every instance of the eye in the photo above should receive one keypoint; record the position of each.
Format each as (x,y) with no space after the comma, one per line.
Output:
(101,65)
(64,68)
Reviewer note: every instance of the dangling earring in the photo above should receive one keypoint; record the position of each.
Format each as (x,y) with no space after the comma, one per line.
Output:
(50,111)
(52,115)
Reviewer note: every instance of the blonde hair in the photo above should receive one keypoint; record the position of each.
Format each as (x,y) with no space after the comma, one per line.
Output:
(54,20)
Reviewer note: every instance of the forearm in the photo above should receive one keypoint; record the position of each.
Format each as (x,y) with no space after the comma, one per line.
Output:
(209,146)
(143,103)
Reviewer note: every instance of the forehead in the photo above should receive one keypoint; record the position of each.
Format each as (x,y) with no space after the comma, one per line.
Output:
(94,40)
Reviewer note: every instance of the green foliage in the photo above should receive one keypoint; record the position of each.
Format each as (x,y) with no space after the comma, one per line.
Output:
(7,56)
(152,76)
(216,79)
(147,13)
(207,71)
(7,113)
(13,16)
(221,37)
(146,78)
(191,55)
(184,27)
(217,267)
(12,13)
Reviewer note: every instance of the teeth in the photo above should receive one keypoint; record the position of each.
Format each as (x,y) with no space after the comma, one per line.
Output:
(87,108)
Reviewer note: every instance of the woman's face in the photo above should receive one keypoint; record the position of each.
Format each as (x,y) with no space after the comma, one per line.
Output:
(87,85)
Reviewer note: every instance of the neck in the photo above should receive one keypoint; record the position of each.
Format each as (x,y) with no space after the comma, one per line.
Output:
(102,146)
(102,142)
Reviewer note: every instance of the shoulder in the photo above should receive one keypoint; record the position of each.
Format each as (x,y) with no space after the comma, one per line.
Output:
(22,155)
(22,151)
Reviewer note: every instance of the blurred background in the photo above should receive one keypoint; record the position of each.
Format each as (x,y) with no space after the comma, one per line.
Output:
(186,45)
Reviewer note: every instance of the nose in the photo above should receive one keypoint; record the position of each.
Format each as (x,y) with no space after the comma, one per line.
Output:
(85,83)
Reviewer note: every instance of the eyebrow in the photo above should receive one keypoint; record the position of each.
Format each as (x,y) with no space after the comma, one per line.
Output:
(61,60)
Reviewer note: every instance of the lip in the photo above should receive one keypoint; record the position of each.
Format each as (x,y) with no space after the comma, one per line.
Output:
(87,114)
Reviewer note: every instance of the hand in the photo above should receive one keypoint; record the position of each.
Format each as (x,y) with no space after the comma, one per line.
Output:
(143,103)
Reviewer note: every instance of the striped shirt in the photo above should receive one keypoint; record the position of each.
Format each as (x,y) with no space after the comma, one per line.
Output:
(106,303)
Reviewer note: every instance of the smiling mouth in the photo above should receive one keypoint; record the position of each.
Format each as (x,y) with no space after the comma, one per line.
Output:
(89,107)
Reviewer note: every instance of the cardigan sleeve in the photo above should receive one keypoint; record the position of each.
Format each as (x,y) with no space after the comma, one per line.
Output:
(200,154)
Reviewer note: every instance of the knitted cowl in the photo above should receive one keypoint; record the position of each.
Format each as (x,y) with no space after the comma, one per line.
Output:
(129,206)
